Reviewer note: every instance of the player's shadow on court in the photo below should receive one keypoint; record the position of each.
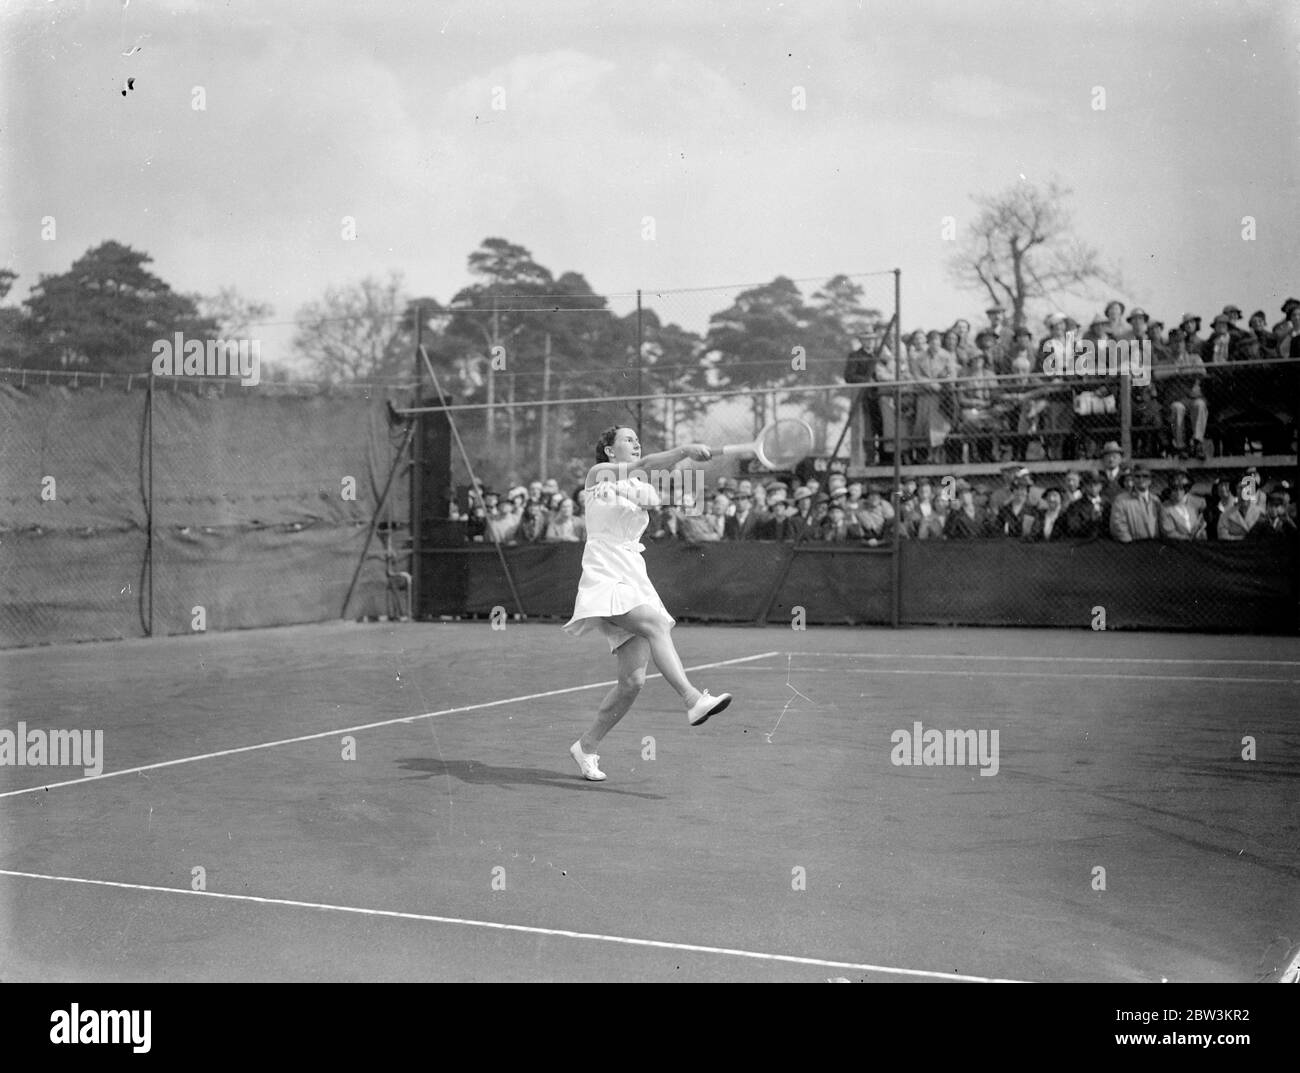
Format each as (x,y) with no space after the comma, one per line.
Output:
(481,774)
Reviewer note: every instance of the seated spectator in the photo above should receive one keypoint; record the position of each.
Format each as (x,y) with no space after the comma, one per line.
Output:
(1182,517)
(1135,515)
(1088,517)
(1217,350)
(1283,326)
(1277,523)
(504,526)
(697,524)
(477,527)
(563,524)
(746,522)
(1245,348)
(1218,503)
(1015,517)
(977,396)
(532,522)
(1266,339)
(1073,486)
(1111,470)
(550,487)
(875,517)
(1180,378)
(1234,314)
(965,520)
(922,518)
(957,342)
(1048,523)
(1019,361)
(1191,326)
(1238,520)
(838,529)
(794,523)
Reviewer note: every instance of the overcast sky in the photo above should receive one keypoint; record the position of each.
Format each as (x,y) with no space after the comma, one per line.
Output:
(616,111)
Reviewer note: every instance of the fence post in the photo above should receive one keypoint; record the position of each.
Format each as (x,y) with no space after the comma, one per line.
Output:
(1126,414)
(148,545)
(414,484)
(895,564)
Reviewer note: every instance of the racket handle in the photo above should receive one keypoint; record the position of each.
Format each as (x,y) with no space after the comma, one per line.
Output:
(737,449)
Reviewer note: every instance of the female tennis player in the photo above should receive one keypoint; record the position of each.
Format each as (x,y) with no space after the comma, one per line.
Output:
(615,596)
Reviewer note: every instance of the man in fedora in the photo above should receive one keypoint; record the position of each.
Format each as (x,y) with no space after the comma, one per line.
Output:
(1088,517)
(1135,515)
(1111,458)
(1287,306)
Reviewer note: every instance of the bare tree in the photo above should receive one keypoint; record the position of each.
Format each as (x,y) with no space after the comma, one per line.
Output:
(1021,249)
(233,313)
(355,332)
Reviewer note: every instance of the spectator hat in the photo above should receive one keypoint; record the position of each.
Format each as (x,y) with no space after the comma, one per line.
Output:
(1093,477)
(1023,331)
(1232,312)
(1053,318)
(1260,314)
(1289,305)
(1276,499)
(839,493)
(1180,480)
(1141,471)
(1110,447)
(1071,322)
(1117,302)
(517,492)
(985,334)
(1157,323)
(802,493)
(550,485)
(1098,320)
(1221,319)
(1188,318)
(1137,312)
(995,309)
(485,492)
(820,498)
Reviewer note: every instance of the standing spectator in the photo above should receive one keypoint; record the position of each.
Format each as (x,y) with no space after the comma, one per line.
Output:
(1111,458)
(1088,517)
(1047,523)
(975,400)
(1182,518)
(1181,377)
(1015,517)
(965,520)
(1005,333)
(564,525)
(1136,515)
(1236,522)
(860,370)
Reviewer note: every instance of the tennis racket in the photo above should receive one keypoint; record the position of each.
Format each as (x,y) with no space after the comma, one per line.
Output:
(780,445)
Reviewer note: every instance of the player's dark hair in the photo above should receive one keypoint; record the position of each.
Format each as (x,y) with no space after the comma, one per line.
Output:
(606,440)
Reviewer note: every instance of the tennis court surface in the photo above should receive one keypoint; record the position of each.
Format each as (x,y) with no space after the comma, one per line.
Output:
(1122,837)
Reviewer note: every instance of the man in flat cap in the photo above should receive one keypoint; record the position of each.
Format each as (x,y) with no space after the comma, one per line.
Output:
(1088,517)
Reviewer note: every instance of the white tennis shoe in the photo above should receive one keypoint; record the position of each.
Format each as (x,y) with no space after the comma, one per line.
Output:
(588,763)
(706,706)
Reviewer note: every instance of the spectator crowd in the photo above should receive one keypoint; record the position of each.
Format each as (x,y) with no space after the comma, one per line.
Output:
(1116,502)
(980,396)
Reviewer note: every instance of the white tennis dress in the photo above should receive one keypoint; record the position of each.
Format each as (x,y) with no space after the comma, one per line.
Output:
(614,578)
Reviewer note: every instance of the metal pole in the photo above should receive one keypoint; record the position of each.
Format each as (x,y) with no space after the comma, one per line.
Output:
(1126,415)
(640,342)
(414,438)
(546,413)
(895,566)
(149,538)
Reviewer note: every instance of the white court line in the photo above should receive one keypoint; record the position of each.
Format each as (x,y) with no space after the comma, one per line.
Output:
(363,726)
(1035,674)
(526,929)
(1046,659)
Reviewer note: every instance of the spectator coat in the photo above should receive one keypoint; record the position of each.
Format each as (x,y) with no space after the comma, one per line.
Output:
(1132,519)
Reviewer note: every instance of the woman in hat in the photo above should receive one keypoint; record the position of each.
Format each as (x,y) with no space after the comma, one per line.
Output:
(615,596)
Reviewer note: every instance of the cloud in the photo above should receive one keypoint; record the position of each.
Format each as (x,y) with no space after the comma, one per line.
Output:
(982,97)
